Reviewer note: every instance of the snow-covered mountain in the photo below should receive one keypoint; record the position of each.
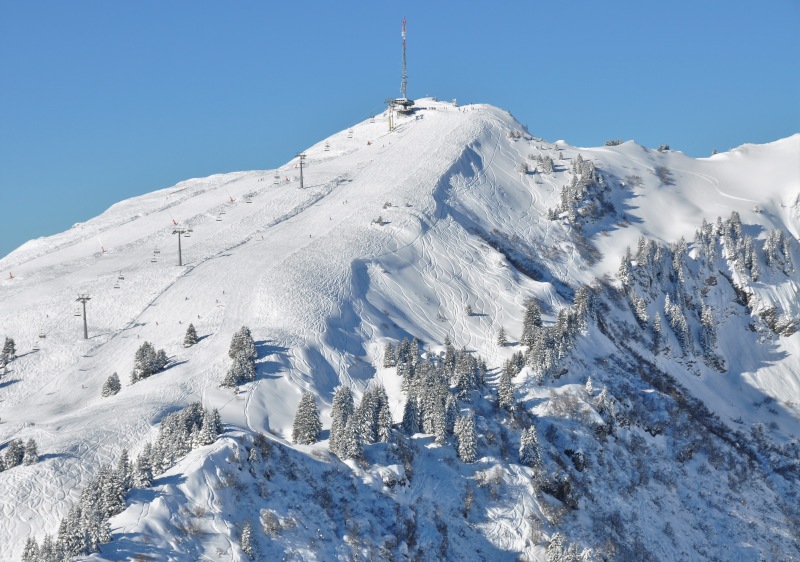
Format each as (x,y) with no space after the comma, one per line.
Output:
(682,447)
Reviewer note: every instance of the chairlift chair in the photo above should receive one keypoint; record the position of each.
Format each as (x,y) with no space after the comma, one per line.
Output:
(36,347)
(116,285)
(153,259)
(42,335)
(121,277)
(78,312)
(219,219)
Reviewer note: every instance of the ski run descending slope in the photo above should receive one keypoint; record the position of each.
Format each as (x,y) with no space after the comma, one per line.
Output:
(323,288)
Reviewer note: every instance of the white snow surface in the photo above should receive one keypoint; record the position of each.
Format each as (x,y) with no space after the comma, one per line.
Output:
(323,288)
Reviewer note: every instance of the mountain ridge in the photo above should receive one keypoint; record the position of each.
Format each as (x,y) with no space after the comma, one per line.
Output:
(460,224)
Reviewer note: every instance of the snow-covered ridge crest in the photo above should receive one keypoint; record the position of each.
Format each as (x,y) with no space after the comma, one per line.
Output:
(324,285)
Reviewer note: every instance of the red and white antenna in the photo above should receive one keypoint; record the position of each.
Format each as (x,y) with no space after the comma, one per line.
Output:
(404,83)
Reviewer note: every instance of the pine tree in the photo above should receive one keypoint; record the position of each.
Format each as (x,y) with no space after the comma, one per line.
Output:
(384,421)
(389,359)
(450,413)
(112,386)
(143,471)
(147,361)
(658,335)
(529,451)
(532,320)
(440,425)
(306,421)
(113,492)
(624,271)
(191,336)
(502,339)
(708,332)
(10,349)
(208,431)
(505,389)
(31,454)
(242,341)
(341,411)
(47,552)
(467,439)
(31,551)
(351,442)
(242,370)
(589,386)
(124,472)
(15,453)
(414,351)
(555,550)
(411,416)
(248,546)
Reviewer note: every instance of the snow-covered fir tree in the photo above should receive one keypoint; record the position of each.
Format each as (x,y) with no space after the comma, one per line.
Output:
(451,414)
(467,438)
(658,334)
(112,386)
(15,453)
(529,451)
(241,370)
(307,426)
(242,344)
(411,416)
(532,320)
(342,410)
(502,339)
(351,444)
(142,475)
(147,362)
(9,349)
(31,551)
(247,543)
(389,358)
(124,470)
(191,336)
(505,389)
(31,453)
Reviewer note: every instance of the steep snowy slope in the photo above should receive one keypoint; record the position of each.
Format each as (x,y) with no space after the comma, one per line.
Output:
(324,286)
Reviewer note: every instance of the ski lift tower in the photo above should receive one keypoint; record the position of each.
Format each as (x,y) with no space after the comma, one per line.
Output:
(181,231)
(403,104)
(82,299)
(302,157)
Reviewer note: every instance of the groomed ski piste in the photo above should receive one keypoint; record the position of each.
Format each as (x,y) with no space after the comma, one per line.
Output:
(324,285)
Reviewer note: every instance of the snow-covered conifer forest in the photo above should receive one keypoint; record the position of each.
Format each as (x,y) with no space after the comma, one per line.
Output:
(538,352)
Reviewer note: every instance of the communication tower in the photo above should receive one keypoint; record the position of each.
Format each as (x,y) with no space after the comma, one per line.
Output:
(403,104)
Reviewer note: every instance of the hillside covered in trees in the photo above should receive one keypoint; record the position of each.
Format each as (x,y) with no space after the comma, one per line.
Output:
(458,341)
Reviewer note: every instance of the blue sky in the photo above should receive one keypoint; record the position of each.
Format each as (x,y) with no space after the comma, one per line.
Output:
(101,101)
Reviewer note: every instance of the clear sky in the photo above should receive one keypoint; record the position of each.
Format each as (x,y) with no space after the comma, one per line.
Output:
(101,101)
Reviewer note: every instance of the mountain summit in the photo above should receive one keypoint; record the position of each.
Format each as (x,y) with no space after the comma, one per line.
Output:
(550,353)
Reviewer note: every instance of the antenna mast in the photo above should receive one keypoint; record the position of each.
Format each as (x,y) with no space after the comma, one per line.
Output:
(404,83)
